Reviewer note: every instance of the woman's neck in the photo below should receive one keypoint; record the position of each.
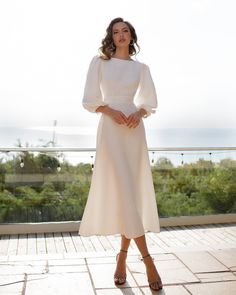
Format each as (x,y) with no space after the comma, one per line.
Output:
(122,54)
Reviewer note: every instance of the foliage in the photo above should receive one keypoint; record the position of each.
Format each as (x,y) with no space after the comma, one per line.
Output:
(195,189)
(191,189)
(219,190)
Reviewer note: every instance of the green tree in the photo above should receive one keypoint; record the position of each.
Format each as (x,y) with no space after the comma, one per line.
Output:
(219,190)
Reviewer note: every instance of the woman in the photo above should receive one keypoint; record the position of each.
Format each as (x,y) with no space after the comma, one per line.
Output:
(121,197)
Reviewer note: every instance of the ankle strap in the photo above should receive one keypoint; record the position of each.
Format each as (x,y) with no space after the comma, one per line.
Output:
(123,250)
(143,257)
(148,255)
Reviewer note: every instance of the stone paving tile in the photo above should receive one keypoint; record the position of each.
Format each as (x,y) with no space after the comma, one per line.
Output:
(59,284)
(49,273)
(23,263)
(211,247)
(92,254)
(103,260)
(34,257)
(171,272)
(130,258)
(57,262)
(67,268)
(174,249)
(225,246)
(11,284)
(4,258)
(226,256)
(15,269)
(167,290)
(228,288)
(119,291)
(102,276)
(165,256)
(216,276)
(200,261)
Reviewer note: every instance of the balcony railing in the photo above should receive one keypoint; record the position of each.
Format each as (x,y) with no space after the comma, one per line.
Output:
(50,184)
(76,149)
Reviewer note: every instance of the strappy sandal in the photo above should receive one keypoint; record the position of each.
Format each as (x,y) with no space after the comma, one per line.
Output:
(120,280)
(153,284)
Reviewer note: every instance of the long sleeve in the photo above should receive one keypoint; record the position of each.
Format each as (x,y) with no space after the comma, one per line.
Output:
(93,98)
(146,97)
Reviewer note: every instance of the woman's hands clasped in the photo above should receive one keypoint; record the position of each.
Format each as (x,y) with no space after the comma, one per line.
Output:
(132,121)
(118,117)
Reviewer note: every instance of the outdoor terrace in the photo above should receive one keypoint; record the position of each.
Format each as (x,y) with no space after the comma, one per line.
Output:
(194,255)
(191,260)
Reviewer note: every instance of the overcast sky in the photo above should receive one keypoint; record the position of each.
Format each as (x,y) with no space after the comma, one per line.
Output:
(46,47)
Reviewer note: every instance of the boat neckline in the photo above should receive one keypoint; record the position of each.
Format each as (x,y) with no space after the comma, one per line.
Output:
(122,59)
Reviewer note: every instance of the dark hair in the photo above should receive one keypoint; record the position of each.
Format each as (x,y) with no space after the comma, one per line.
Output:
(108,48)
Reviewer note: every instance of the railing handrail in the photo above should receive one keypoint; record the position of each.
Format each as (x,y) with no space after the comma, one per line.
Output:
(76,149)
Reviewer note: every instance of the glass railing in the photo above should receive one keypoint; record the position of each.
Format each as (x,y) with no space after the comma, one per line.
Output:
(52,184)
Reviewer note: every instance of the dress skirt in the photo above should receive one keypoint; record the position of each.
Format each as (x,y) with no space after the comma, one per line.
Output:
(121,199)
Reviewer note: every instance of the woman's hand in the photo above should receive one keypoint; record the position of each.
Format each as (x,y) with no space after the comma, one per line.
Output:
(116,115)
(120,118)
(134,118)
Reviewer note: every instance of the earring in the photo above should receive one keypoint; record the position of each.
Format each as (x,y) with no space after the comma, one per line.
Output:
(131,43)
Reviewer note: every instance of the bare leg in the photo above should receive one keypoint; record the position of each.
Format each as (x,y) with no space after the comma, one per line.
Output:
(125,243)
(120,271)
(152,273)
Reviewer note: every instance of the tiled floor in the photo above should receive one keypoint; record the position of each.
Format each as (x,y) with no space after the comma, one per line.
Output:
(191,260)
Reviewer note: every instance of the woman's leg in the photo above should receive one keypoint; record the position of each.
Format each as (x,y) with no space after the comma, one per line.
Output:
(124,243)
(152,273)
(120,271)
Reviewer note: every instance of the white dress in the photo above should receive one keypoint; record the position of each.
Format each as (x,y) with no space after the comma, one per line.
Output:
(121,199)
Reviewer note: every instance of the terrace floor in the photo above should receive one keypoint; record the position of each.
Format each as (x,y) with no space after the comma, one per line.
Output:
(191,260)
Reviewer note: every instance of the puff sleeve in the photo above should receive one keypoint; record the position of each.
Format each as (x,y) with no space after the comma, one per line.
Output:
(146,97)
(92,97)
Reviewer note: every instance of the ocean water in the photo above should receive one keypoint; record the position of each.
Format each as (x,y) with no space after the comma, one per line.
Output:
(169,137)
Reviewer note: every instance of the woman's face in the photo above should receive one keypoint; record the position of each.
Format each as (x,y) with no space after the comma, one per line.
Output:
(121,34)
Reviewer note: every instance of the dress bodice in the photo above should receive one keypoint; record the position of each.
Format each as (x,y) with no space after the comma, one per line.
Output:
(119,81)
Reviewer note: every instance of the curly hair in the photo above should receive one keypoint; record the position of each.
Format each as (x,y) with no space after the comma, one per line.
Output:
(108,48)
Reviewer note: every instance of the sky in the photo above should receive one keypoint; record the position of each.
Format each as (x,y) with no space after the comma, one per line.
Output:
(46,47)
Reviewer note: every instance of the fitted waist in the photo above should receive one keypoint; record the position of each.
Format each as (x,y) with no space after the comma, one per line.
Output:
(119,99)
(124,105)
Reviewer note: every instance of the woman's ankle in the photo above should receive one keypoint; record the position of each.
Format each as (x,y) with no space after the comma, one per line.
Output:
(146,255)
(122,255)
(147,259)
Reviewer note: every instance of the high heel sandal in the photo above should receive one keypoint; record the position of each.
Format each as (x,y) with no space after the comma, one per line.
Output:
(152,284)
(120,280)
